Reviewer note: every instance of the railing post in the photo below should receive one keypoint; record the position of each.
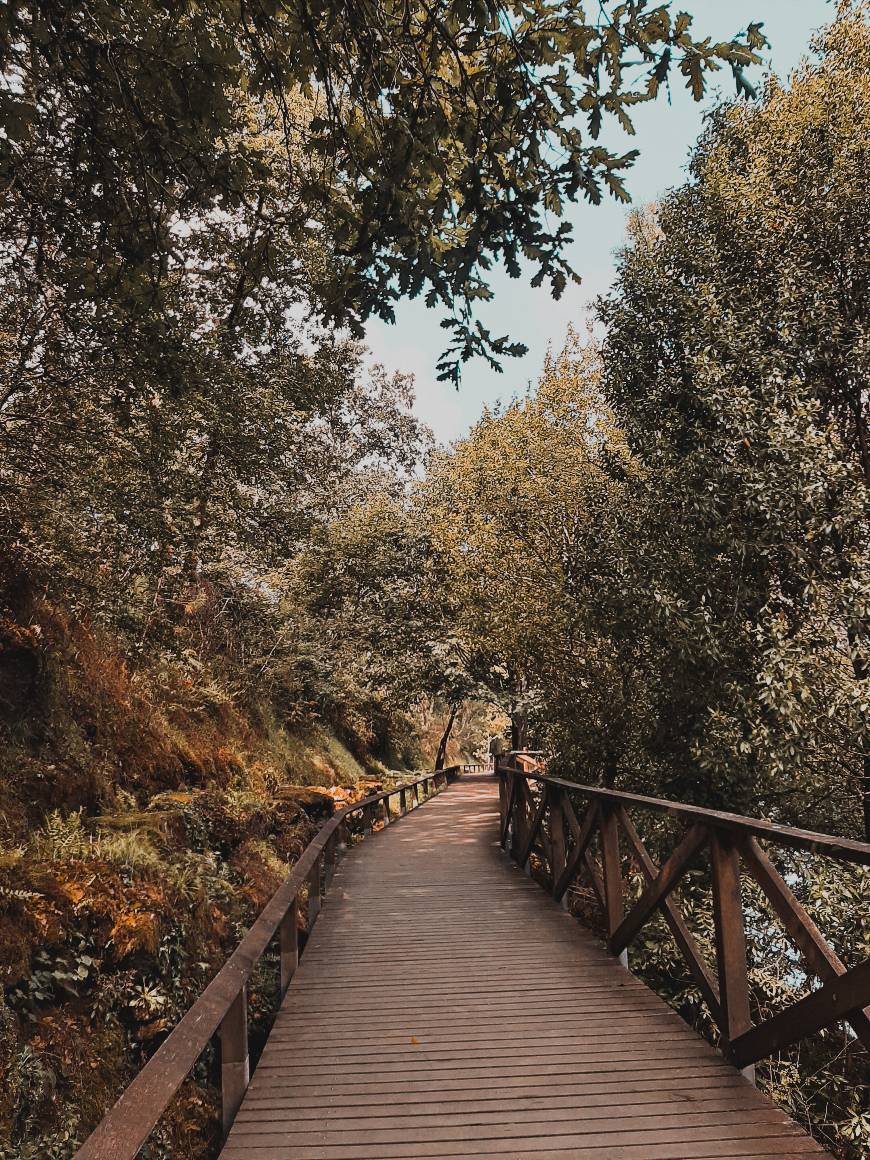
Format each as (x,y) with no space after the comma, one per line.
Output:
(415,795)
(235,1066)
(528,822)
(509,810)
(557,839)
(385,804)
(730,940)
(613,904)
(331,855)
(521,820)
(289,945)
(515,817)
(314,895)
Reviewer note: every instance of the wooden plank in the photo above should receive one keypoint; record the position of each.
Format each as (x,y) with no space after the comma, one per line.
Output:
(707,1150)
(235,1067)
(558,837)
(821,958)
(690,1141)
(486,1108)
(610,856)
(477,1086)
(838,999)
(314,894)
(513,783)
(583,836)
(480,1057)
(659,888)
(447,1007)
(524,808)
(594,878)
(429,1101)
(570,814)
(545,1021)
(532,830)
(682,936)
(289,946)
(736,1121)
(730,938)
(518,1105)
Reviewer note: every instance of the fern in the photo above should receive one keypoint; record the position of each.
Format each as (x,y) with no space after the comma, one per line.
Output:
(62,838)
(12,894)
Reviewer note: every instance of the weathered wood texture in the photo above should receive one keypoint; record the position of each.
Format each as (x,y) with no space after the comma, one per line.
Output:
(445,1007)
(532,805)
(222,1006)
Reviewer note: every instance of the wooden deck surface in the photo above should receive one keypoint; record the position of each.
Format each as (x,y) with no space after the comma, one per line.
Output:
(446,1007)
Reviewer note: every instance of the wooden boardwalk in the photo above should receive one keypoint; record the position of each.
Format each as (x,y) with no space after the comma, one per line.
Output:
(447,1007)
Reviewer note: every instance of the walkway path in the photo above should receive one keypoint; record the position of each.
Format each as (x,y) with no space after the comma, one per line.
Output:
(447,1007)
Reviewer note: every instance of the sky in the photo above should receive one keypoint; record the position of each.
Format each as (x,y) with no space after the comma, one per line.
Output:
(665,135)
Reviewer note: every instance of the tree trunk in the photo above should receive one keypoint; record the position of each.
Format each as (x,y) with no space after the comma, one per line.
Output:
(857,639)
(610,769)
(861,669)
(861,672)
(519,731)
(445,736)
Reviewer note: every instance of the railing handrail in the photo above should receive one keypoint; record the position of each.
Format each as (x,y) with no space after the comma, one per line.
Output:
(830,845)
(547,828)
(129,1122)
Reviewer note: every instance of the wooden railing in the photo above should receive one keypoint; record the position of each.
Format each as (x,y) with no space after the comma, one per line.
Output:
(221,1010)
(555,822)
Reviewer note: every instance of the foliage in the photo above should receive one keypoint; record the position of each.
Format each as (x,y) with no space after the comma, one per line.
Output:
(661,554)
(734,342)
(113,926)
(167,451)
(222,580)
(659,558)
(509,507)
(421,142)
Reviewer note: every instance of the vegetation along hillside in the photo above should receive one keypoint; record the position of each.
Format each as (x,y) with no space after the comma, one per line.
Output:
(239,581)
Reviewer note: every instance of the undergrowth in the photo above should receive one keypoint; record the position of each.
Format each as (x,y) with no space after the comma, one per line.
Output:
(145,819)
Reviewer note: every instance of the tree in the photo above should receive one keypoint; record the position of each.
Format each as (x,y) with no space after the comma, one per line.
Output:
(683,607)
(520,510)
(436,138)
(733,358)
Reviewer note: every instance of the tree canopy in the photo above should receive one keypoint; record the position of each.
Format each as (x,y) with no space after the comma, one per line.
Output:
(419,143)
(671,532)
(659,557)
(239,583)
